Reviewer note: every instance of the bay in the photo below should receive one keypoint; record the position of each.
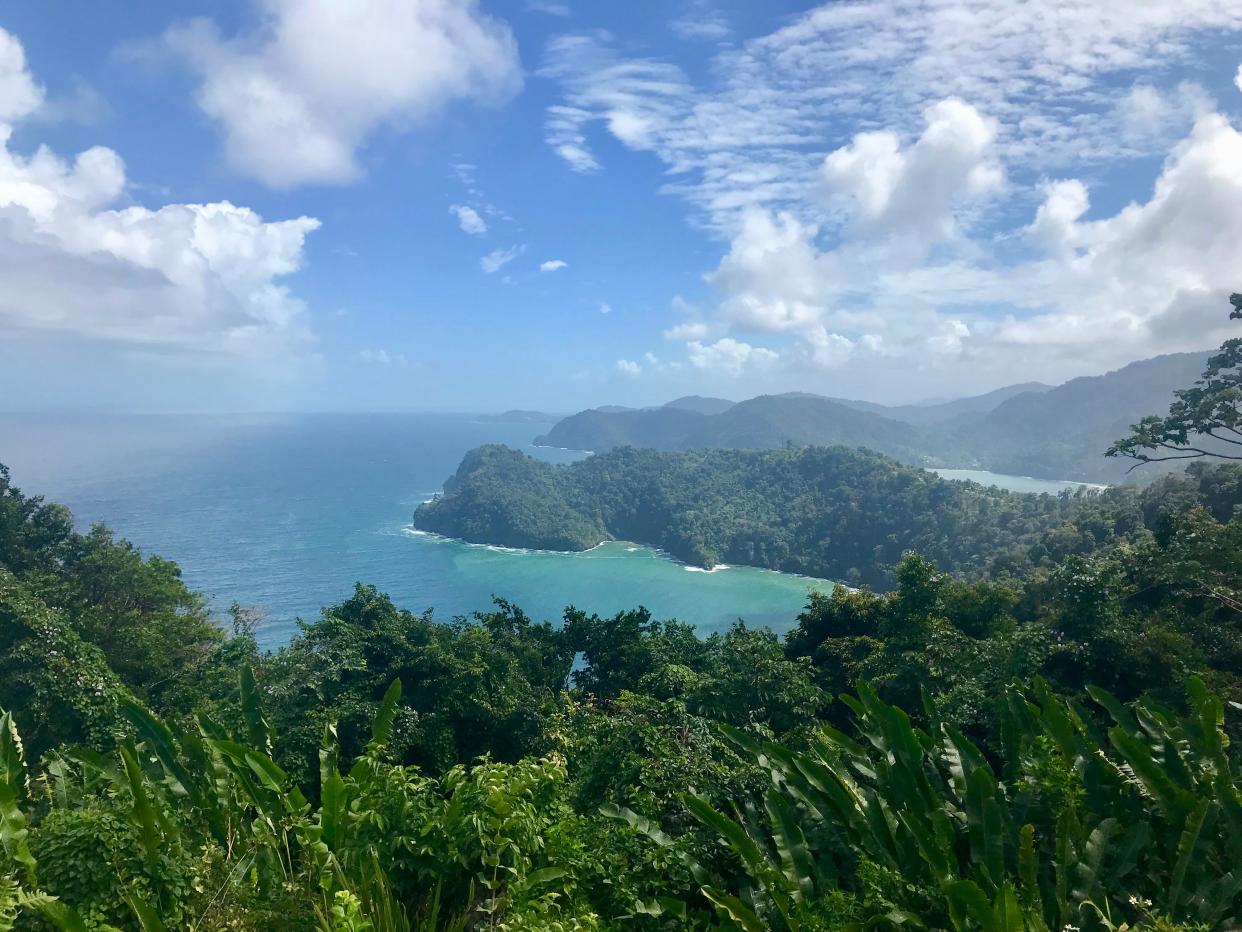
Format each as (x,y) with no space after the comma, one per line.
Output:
(1014,483)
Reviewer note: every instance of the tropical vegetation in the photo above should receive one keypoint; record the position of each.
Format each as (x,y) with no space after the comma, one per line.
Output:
(1045,744)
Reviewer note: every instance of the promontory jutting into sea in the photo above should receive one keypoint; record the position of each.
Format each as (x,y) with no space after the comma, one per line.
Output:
(672,466)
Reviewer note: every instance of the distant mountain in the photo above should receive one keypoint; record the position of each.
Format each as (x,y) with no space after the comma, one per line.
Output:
(941,412)
(701,405)
(766,422)
(1028,429)
(518,416)
(1062,433)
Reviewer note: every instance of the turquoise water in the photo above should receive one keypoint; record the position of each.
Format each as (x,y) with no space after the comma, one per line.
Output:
(1014,483)
(286,513)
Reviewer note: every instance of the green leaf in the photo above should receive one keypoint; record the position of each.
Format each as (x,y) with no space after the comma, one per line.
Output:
(545,875)
(966,901)
(63,916)
(796,861)
(1196,821)
(260,732)
(148,919)
(13,784)
(143,811)
(736,910)
(381,726)
(331,789)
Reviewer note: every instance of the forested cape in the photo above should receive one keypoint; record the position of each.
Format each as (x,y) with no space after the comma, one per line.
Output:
(831,513)
(1044,744)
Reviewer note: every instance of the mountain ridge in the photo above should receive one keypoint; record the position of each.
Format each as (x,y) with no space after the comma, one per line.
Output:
(1050,432)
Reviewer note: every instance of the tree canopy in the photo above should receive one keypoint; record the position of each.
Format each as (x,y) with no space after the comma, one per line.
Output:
(1204,420)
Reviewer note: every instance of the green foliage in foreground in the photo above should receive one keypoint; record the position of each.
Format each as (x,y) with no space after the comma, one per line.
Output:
(1072,824)
(978,773)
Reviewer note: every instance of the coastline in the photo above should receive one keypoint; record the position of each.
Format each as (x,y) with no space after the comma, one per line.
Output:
(630,546)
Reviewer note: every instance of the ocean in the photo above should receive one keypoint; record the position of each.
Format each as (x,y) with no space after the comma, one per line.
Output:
(284,513)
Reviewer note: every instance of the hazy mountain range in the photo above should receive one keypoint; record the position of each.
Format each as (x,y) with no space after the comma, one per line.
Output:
(1028,429)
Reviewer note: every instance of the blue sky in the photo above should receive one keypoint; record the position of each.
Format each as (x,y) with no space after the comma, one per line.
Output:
(439,204)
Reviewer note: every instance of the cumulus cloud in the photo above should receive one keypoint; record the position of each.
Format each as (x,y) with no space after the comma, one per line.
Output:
(605,307)
(297,98)
(729,356)
(20,95)
(1153,276)
(771,278)
(469,220)
(497,259)
(553,265)
(1092,294)
(915,192)
(189,277)
(629,367)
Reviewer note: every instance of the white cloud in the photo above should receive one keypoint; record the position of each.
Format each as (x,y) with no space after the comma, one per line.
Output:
(958,228)
(1237,79)
(605,307)
(553,265)
(754,133)
(1148,279)
(498,258)
(551,9)
(190,277)
(700,21)
(382,357)
(84,105)
(915,192)
(1150,118)
(469,220)
(1152,277)
(690,330)
(297,98)
(629,367)
(20,95)
(729,356)
(635,99)
(771,277)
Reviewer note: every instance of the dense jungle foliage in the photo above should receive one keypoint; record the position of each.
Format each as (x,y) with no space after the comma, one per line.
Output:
(1048,747)
(833,512)
(1045,750)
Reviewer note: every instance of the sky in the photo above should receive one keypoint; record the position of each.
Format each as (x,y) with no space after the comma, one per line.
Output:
(461,205)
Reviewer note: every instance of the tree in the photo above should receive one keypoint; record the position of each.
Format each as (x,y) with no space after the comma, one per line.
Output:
(1211,408)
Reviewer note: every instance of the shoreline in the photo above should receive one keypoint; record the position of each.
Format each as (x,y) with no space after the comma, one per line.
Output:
(630,546)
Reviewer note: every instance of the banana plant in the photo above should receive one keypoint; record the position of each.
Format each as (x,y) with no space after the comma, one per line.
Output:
(1153,813)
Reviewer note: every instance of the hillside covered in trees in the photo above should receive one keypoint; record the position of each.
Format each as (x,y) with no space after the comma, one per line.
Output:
(833,513)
